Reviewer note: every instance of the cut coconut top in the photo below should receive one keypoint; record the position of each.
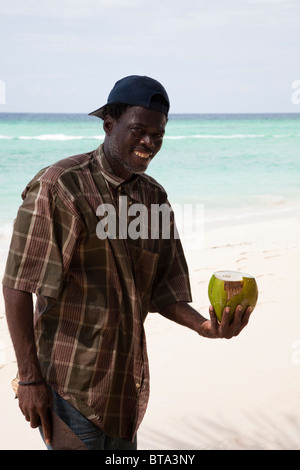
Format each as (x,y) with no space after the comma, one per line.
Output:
(231,275)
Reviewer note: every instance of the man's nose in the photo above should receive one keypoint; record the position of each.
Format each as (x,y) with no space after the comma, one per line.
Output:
(147,140)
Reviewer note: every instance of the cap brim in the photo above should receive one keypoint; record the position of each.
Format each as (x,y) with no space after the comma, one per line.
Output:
(98,113)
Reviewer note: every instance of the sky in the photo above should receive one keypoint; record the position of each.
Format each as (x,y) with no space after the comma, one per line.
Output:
(212,56)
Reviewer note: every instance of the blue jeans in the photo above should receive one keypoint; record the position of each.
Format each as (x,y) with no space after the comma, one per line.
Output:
(88,433)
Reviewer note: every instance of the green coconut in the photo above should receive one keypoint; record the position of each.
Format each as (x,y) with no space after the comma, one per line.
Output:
(230,289)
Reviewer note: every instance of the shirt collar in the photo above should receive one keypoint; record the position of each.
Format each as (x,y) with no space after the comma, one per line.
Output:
(108,173)
(106,169)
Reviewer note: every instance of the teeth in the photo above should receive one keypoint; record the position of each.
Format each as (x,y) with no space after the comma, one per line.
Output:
(142,155)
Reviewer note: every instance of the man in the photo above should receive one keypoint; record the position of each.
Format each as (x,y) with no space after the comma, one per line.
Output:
(83,354)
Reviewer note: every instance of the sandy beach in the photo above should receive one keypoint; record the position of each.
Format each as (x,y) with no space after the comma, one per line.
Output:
(238,394)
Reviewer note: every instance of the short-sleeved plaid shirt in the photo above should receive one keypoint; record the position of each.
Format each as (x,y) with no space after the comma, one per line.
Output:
(93,294)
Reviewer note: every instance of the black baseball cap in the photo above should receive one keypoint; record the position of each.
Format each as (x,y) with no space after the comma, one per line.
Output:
(137,90)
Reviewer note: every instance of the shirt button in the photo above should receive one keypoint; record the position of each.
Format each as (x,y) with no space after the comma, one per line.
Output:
(129,202)
(137,385)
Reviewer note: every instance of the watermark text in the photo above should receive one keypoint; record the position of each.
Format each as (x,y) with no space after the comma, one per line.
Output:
(295,358)
(138,221)
(296,93)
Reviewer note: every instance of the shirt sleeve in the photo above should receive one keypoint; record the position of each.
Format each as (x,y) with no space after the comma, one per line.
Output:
(171,282)
(44,237)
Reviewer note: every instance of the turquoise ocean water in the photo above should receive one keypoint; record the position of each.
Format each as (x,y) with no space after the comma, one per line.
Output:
(237,166)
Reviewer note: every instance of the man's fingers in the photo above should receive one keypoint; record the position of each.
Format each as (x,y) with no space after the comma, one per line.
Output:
(35,420)
(240,319)
(27,417)
(35,403)
(213,318)
(237,318)
(229,326)
(224,325)
(47,427)
(246,316)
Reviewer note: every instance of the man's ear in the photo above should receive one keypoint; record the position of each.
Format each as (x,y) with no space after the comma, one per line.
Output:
(108,124)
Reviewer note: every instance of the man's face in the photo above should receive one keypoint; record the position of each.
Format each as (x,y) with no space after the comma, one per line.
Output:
(132,141)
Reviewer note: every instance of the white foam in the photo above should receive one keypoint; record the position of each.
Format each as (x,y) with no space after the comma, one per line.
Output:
(229,136)
(61,137)
(231,275)
(64,137)
(212,136)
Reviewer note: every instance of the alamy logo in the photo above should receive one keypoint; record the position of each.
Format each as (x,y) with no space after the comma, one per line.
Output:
(296,94)
(137,221)
(296,353)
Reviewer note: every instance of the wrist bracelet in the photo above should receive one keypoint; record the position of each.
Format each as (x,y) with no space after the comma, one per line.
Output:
(34,382)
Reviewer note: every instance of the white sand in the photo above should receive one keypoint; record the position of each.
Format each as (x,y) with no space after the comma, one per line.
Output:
(242,393)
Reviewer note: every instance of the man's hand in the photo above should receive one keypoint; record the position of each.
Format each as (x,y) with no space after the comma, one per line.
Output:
(225,329)
(34,400)
(35,403)
(183,314)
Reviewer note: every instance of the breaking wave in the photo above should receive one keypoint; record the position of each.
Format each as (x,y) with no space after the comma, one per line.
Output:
(231,136)
(64,137)
(52,137)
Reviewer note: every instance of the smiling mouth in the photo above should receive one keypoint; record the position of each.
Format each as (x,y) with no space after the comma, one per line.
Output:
(142,155)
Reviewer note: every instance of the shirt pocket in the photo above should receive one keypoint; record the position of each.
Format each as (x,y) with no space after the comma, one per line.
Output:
(144,265)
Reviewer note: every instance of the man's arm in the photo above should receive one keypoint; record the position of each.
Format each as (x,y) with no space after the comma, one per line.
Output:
(34,400)
(184,314)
